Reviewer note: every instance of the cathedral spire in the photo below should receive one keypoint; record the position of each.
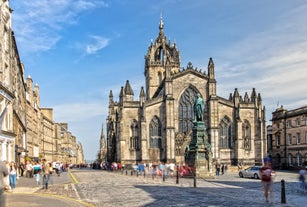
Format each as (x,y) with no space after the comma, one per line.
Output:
(161,25)
(161,38)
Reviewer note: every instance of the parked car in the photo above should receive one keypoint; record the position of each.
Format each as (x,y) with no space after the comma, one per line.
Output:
(251,172)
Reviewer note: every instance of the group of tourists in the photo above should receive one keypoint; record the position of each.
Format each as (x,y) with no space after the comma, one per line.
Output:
(152,168)
(39,170)
(220,169)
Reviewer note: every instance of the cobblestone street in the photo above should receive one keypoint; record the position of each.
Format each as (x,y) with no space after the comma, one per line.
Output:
(103,188)
(95,188)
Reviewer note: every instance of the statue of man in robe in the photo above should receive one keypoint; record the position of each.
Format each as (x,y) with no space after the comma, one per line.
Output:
(199,107)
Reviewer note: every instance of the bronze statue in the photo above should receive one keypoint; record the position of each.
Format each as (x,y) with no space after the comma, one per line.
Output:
(199,107)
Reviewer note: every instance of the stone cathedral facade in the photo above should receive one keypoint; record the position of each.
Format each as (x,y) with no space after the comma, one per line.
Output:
(158,126)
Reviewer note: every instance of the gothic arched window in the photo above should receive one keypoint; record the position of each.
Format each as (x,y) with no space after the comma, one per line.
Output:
(155,133)
(246,134)
(159,54)
(225,140)
(134,138)
(186,112)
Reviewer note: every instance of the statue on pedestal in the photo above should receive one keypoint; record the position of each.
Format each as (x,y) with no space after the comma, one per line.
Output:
(199,107)
(198,153)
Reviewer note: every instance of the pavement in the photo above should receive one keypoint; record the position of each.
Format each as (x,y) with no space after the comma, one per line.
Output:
(94,188)
(61,192)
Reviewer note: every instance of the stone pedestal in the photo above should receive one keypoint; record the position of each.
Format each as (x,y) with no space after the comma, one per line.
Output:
(198,154)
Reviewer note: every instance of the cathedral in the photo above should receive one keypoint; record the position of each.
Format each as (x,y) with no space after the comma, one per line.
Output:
(158,126)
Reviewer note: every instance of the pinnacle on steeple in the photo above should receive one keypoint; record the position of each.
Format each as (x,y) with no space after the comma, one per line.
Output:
(253,95)
(128,89)
(246,98)
(236,93)
(211,68)
(259,98)
(142,92)
(122,93)
(111,97)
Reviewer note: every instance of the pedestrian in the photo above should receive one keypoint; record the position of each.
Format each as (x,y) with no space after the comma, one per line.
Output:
(267,181)
(29,167)
(218,168)
(301,179)
(3,174)
(13,175)
(21,169)
(46,170)
(36,172)
(226,168)
(222,168)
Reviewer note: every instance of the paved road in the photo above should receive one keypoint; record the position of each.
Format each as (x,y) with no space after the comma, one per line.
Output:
(95,188)
(61,193)
(103,188)
(39,200)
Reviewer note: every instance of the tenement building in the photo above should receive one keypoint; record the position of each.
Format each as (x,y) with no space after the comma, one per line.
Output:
(289,137)
(158,126)
(12,92)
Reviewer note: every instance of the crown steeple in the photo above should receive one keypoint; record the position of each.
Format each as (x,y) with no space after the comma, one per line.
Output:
(161,55)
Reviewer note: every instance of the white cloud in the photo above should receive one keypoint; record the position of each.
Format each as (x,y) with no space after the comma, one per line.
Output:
(272,61)
(39,22)
(74,112)
(97,43)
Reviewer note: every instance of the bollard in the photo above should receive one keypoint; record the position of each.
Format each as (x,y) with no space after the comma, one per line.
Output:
(137,173)
(144,174)
(283,191)
(126,172)
(131,172)
(177,177)
(163,177)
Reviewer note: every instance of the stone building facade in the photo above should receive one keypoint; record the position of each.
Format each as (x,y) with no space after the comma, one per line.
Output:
(45,138)
(27,131)
(67,146)
(289,137)
(158,126)
(12,91)
(79,154)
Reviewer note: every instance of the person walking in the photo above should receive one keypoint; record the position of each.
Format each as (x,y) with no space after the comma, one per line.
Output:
(46,170)
(267,181)
(13,175)
(3,174)
(301,179)
(222,168)
(36,172)
(218,168)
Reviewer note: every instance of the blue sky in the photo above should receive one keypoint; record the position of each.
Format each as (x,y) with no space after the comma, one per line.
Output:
(79,50)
